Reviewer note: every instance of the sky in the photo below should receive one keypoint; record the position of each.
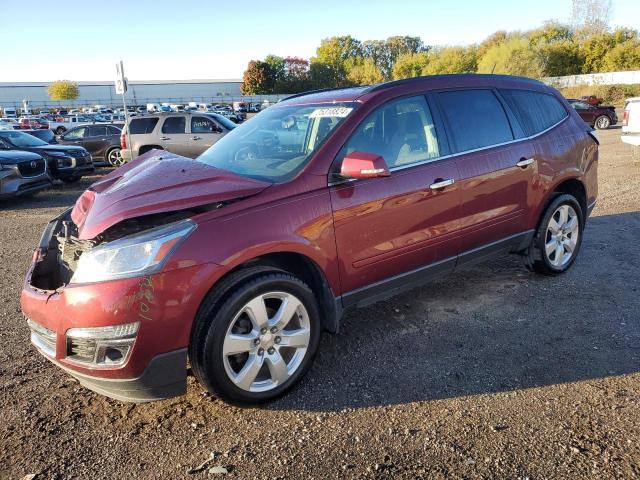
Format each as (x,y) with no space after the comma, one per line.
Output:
(198,39)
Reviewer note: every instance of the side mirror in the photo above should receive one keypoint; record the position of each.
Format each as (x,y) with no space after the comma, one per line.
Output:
(364,165)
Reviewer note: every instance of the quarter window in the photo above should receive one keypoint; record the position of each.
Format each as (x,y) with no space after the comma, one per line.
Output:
(143,125)
(174,125)
(401,132)
(475,118)
(536,111)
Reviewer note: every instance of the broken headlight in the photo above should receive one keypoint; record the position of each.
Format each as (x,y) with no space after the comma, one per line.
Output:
(132,256)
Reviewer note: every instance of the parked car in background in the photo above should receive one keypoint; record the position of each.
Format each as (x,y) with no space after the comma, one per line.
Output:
(600,117)
(71,121)
(9,112)
(631,121)
(591,100)
(102,141)
(44,135)
(324,202)
(22,173)
(64,162)
(8,124)
(32,123)
(188,133)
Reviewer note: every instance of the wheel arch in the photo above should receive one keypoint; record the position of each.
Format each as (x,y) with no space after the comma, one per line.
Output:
(571,185)
(295,263)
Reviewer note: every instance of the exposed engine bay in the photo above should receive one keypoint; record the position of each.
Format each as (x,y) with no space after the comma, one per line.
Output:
(60,248)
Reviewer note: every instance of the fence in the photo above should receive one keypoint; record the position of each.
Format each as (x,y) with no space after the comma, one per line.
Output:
(608,78)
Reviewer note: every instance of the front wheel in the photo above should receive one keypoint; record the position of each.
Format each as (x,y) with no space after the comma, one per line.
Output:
(259,342)
(602,122)
(557,241)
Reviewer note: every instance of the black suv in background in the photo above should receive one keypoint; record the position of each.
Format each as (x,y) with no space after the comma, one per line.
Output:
(102,141)
(65,162)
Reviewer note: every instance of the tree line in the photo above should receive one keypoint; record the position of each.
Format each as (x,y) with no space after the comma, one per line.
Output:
(554,49)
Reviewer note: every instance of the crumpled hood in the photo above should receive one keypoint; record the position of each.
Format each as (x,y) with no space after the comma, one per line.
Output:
(155,182)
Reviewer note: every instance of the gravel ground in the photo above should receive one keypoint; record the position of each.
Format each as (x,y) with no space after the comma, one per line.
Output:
(491,372)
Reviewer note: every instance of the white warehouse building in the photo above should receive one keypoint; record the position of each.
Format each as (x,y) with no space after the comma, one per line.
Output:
(140,92)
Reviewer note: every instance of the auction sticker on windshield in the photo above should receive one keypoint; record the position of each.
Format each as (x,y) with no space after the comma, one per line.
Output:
(340,112)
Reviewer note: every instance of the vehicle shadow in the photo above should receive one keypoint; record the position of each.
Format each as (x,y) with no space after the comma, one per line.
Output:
(491,328)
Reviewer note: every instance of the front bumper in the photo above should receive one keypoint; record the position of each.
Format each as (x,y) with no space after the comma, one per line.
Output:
(13,184)
(164,305)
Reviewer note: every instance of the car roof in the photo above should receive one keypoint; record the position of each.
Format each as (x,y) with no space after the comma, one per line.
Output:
(429,82)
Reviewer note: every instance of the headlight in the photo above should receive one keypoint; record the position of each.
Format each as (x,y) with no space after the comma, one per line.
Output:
(133,256)
(8,166)
(102,346)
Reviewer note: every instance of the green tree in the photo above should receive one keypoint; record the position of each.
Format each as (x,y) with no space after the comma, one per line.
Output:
(296,75)
(276,74)
(364,72)
(559,58)
(451,60)
(513,57)
(334,52)
(550,32)
(385,53)
(492,40)
(63,90)
(410,65)
(624,56)
(256,80)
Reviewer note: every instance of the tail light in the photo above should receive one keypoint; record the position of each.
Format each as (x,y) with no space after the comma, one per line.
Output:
(625,118)
(123,140)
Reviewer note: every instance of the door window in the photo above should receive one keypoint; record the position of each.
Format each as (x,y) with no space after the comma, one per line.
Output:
(402,132)
(475,118)
(113,130)
(97,131)
(174,125)
(77,134)
(203,125)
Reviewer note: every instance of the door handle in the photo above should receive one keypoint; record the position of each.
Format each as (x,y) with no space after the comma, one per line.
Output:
(196,138)
(441,184)
(165,138)
(525,162)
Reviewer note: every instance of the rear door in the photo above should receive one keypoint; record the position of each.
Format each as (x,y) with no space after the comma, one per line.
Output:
(496,173)
(95,139)
(204,133)
(389,229)
(173,135)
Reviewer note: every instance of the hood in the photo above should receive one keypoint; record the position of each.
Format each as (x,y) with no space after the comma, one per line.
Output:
(68,149)
(15,156)
(156,182)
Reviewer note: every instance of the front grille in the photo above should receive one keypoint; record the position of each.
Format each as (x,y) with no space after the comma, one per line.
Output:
(81,349)
(32,168)
(43,338)
(82,160)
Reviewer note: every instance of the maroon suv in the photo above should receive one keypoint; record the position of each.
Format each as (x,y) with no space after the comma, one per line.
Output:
(237,261)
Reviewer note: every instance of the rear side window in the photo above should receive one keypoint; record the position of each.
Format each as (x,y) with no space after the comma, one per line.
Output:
(536,111)
(113,130)
(475,118)
(97,131)
(174,125)
(143,125)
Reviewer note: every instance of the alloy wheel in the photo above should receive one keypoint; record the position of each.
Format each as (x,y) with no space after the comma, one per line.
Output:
(115,158)
(603,123)
(562,235)
(266,342)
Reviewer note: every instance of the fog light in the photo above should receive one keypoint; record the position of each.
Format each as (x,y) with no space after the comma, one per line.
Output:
(101,346)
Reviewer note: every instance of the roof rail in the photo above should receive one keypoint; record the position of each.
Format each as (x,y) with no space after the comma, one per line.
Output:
(320,90)
(393,83)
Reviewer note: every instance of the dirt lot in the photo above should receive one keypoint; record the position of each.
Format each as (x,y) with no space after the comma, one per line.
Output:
(490,372)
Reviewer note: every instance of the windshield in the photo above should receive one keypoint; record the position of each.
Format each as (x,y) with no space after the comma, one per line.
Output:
(20,139)
(277,143)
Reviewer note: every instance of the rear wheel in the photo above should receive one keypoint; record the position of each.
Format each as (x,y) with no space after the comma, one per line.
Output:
(114,157)
(602,122)
(557,242)
(260,341)
(60,130)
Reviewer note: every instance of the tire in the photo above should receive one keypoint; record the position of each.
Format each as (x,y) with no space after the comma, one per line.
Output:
(255,374)
(114,157)
(557,241)
(70,180)
(60,130)
(602,122)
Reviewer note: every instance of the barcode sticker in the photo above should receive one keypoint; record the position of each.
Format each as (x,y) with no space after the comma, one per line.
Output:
(339,112)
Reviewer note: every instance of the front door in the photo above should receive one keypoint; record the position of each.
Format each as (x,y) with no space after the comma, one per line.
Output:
(204,133)
(396,226)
